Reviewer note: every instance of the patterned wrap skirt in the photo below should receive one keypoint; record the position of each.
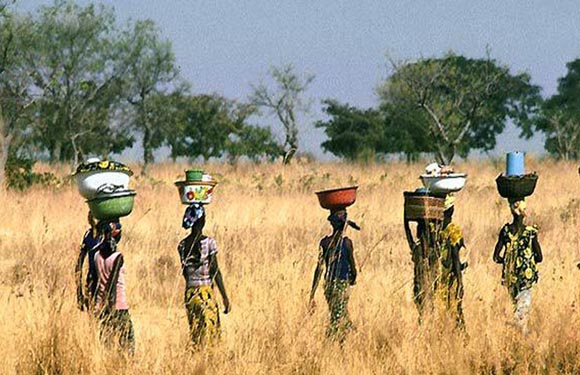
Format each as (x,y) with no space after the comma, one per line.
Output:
(117,326)
(202,313)
(337,296)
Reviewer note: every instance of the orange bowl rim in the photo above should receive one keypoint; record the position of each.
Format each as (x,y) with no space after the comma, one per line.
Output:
(336,190)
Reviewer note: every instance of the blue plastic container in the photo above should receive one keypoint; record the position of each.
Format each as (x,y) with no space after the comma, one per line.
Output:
(515,164)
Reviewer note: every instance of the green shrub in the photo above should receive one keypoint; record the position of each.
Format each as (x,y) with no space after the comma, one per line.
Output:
(20,175)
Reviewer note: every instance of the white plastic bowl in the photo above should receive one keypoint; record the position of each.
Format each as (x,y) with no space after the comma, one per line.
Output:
(89,183)
(444,183)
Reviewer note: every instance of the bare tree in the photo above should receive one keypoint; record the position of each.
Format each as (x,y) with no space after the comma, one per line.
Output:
(564,137)
(284,101)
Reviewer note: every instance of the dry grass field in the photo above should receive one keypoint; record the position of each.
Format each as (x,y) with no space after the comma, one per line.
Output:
(267,223)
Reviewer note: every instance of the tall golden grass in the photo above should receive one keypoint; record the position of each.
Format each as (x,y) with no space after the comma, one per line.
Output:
(267,223)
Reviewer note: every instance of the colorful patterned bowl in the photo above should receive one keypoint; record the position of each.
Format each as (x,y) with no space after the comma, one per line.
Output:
(196,191)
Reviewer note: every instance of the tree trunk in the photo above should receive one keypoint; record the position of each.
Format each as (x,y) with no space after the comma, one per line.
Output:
(5,140)
(292,137)
(291,141)
(288,155)
(147,151)
(4,152)
(56,152)
(445,154)
(450,155)
(76,153)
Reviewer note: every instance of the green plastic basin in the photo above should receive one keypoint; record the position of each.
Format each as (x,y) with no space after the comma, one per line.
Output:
(112,206)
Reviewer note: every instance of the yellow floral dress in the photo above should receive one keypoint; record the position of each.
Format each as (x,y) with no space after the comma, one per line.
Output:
(202,313)
(519,267)
(449,289)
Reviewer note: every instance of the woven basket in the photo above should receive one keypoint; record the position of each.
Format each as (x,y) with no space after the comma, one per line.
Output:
(419,206)
(514,187)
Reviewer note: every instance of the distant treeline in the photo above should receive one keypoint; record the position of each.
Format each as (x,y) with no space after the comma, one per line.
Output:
(75,82)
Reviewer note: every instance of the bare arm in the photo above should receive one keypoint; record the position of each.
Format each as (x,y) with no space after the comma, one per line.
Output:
(457,267)
(409,235)
(462,246)
(317,273)
(498,248)
(351,262)
(538,257)
(216,276)
(79,277)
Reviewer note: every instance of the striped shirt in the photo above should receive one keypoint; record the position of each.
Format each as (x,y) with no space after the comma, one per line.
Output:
(196,268)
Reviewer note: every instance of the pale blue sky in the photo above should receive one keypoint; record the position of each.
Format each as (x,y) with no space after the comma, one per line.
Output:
(224,46)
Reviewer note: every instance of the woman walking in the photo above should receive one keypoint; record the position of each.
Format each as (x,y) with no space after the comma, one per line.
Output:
(198,255)
(424,254)
(88,249)
(450,289)
(111,304)
(337,255)
(518,250)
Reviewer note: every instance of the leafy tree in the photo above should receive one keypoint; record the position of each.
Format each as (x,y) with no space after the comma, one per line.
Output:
(16,100)
(560,118)
(205,125)
(212,126)
(460,103)
(4,6)
(254,142)
(152,71)
(406,132)
(285,101)
(358,134)
(353,133)
(78,67)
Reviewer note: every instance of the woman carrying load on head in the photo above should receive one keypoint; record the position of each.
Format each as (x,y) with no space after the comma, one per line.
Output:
(429,208)
(450,283)
(198,255)
(88,249)
(518,250)
(92,240)
(111,304)
(337,255)
(424,254)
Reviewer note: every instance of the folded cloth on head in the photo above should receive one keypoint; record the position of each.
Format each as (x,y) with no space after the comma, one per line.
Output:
(338,219)
(193,213)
